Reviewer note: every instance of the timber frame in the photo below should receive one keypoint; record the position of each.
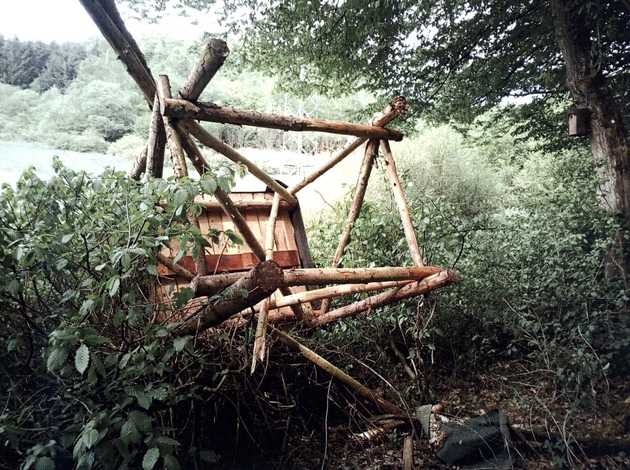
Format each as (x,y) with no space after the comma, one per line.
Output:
(174,125)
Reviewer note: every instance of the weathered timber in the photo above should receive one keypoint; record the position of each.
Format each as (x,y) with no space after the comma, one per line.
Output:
(371,149)
(250,289)
(209,285)
(435,281)
(176,268)
(173,137)
(401,202)
(385,405)
(200,111)
(407,453)
(260,344)
(397,107)
(215,52)
(215,144)
(139,165)
(301,240)
(263,204)
(156,143)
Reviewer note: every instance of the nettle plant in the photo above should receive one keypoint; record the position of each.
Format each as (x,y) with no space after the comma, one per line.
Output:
(88,367)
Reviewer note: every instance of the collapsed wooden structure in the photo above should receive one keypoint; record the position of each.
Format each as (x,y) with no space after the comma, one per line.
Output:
(273,291)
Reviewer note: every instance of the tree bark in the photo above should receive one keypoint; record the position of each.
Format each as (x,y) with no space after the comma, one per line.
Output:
(210,285)
(156,143)
(214,54)
(250,289)
(174,139)
(199,111)
(401,202)
(610,147)
(435,281)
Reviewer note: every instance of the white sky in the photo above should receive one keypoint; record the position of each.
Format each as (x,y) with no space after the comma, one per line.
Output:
(66,20)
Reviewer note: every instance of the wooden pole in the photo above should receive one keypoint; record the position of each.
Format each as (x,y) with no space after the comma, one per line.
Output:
(139,165)
(397,107)
(261,326)
(401,202)
(385,405)
(210,285)
(215,144)
(435,281)
(173,137)
(250,289)
(184,109)
(176,268)
(156,143)
(357,201)
(214,54)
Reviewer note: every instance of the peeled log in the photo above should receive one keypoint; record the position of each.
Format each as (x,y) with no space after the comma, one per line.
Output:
(183,109)
(209,285)
(214,54)
(251,288)
(435,281)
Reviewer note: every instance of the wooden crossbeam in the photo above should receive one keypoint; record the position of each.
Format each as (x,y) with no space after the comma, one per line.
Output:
(200,111)
(397,107)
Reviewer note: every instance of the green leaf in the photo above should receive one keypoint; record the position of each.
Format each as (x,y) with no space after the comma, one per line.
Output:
(56,359)
(90,438)
(82,358)
(180,343)
(150,458)
(208,185)
(171,463)
(66,238)
(141,420)
(114,286)
(44,463)
(144,399)
(152,269)
(209,456)
(129,432)
(180,197)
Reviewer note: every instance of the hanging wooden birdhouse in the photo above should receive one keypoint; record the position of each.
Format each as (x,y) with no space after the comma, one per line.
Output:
(579,120)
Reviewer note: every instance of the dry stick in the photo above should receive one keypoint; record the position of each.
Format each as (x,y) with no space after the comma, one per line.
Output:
(357,201)
(173,137)
(199,111)
(401,202)
(217,145)
(155,145)
(251,288)
(176,268)
(407,454)
(261,326)
(214,54)
(435,281)
(397,107)
(385,405)
(210,285)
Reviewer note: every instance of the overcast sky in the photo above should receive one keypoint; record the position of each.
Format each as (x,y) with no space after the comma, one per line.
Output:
(66,20)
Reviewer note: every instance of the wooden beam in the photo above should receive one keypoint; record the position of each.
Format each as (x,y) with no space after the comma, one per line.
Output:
(260,344)
(371,149)
(251,288)
(215,52)
(401,202)
(156,143)
(262,204)
(176,268)
(173,137)
(200,111)
(210,285)
(217,145)
(435,281)
(396,107)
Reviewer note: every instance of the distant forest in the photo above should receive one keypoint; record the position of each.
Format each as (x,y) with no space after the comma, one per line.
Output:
(38,65)
(79,97)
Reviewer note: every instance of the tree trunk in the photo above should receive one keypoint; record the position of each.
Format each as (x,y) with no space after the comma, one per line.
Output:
(611,152)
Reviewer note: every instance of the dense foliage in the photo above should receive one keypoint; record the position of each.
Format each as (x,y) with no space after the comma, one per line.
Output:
(528,235)
(101,109)
(38,65)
